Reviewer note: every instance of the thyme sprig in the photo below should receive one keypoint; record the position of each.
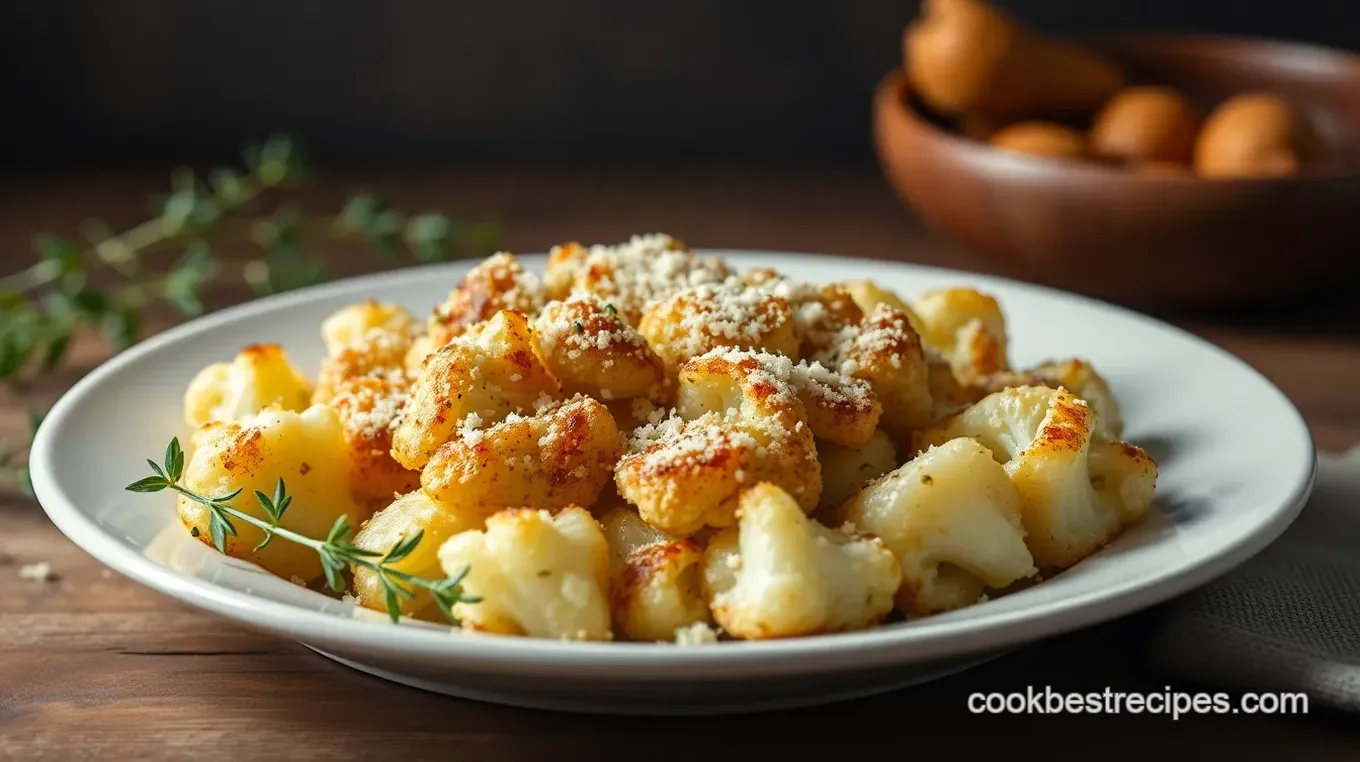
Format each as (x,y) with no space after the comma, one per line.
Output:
(336,552)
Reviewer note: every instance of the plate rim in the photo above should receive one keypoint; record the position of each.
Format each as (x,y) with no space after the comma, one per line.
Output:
(980,633)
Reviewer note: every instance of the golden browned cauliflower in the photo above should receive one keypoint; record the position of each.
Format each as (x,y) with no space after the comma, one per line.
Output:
(1078,377)
(489,372)
(947,395)
(886,352)
(738,424)
(820,312)
(350,325)
(537,574)
(779,574)
(591,350)
(497,283)
(306,450)
(1072,503)
(564,454)
(846,469)
(406,515)
(657,580)
(967,327)
(633,275)
(257,378)
(732,314)
(376,354)
(369,408)
(836,407)
(421,348)
(952,519)
(868,295)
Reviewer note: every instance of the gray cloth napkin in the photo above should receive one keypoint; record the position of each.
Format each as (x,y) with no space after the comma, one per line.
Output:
(1288,619)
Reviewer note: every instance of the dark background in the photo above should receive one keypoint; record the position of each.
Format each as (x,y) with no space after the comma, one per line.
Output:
(529,80)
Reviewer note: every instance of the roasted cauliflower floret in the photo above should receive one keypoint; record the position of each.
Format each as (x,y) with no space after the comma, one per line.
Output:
(707,317)
(1044,438)
(657,581)
(421,348)
(952,519)
(820,312)
(257,378)
(562,455)
(376,354)
(836,407)
(779,574)
(497,283)
(847,469)
(350,325)
(886,352)
(369,409)
(1078,377)
(868,295)
(537,574)
(967,327)
(306,450)
(403,518)
(589,348)
(633,275)
(738,424)
(947,395)
(489,372)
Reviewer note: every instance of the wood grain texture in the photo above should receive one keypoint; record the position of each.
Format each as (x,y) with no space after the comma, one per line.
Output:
(93,666)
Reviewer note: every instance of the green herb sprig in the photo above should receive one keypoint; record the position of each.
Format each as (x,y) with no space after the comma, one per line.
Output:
(108,280)
(336,552)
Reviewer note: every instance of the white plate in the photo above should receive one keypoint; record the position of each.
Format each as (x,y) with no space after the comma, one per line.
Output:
(1237,463)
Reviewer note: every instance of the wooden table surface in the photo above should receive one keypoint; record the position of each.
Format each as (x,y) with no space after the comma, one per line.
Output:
(94,666)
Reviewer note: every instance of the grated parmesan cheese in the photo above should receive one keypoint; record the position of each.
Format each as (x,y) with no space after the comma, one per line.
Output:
(638,273)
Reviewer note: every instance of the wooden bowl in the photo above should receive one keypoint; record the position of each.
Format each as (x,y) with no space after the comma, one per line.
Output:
(1152,239)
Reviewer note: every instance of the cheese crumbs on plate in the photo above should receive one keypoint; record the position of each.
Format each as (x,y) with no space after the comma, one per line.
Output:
(646,443)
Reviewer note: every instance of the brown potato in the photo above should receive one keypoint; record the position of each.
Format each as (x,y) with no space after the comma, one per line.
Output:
(967,56)
(1146,124)
(1047,139)
(1254,135)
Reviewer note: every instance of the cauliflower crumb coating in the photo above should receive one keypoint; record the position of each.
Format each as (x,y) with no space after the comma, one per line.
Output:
(260,376)
(375,354)
(737,424)
(490,371)
(1077,376)
(306,450)
(590,349)
(563,454)
(349,326)
(633,275)
(820,312)
(405,516)
(369,408)
(836,407)
(1073,501)
(779,574)
(952,519)
(497,283)
(967,327)
(657,581)
(712,316)
(884,351)
(538,575)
